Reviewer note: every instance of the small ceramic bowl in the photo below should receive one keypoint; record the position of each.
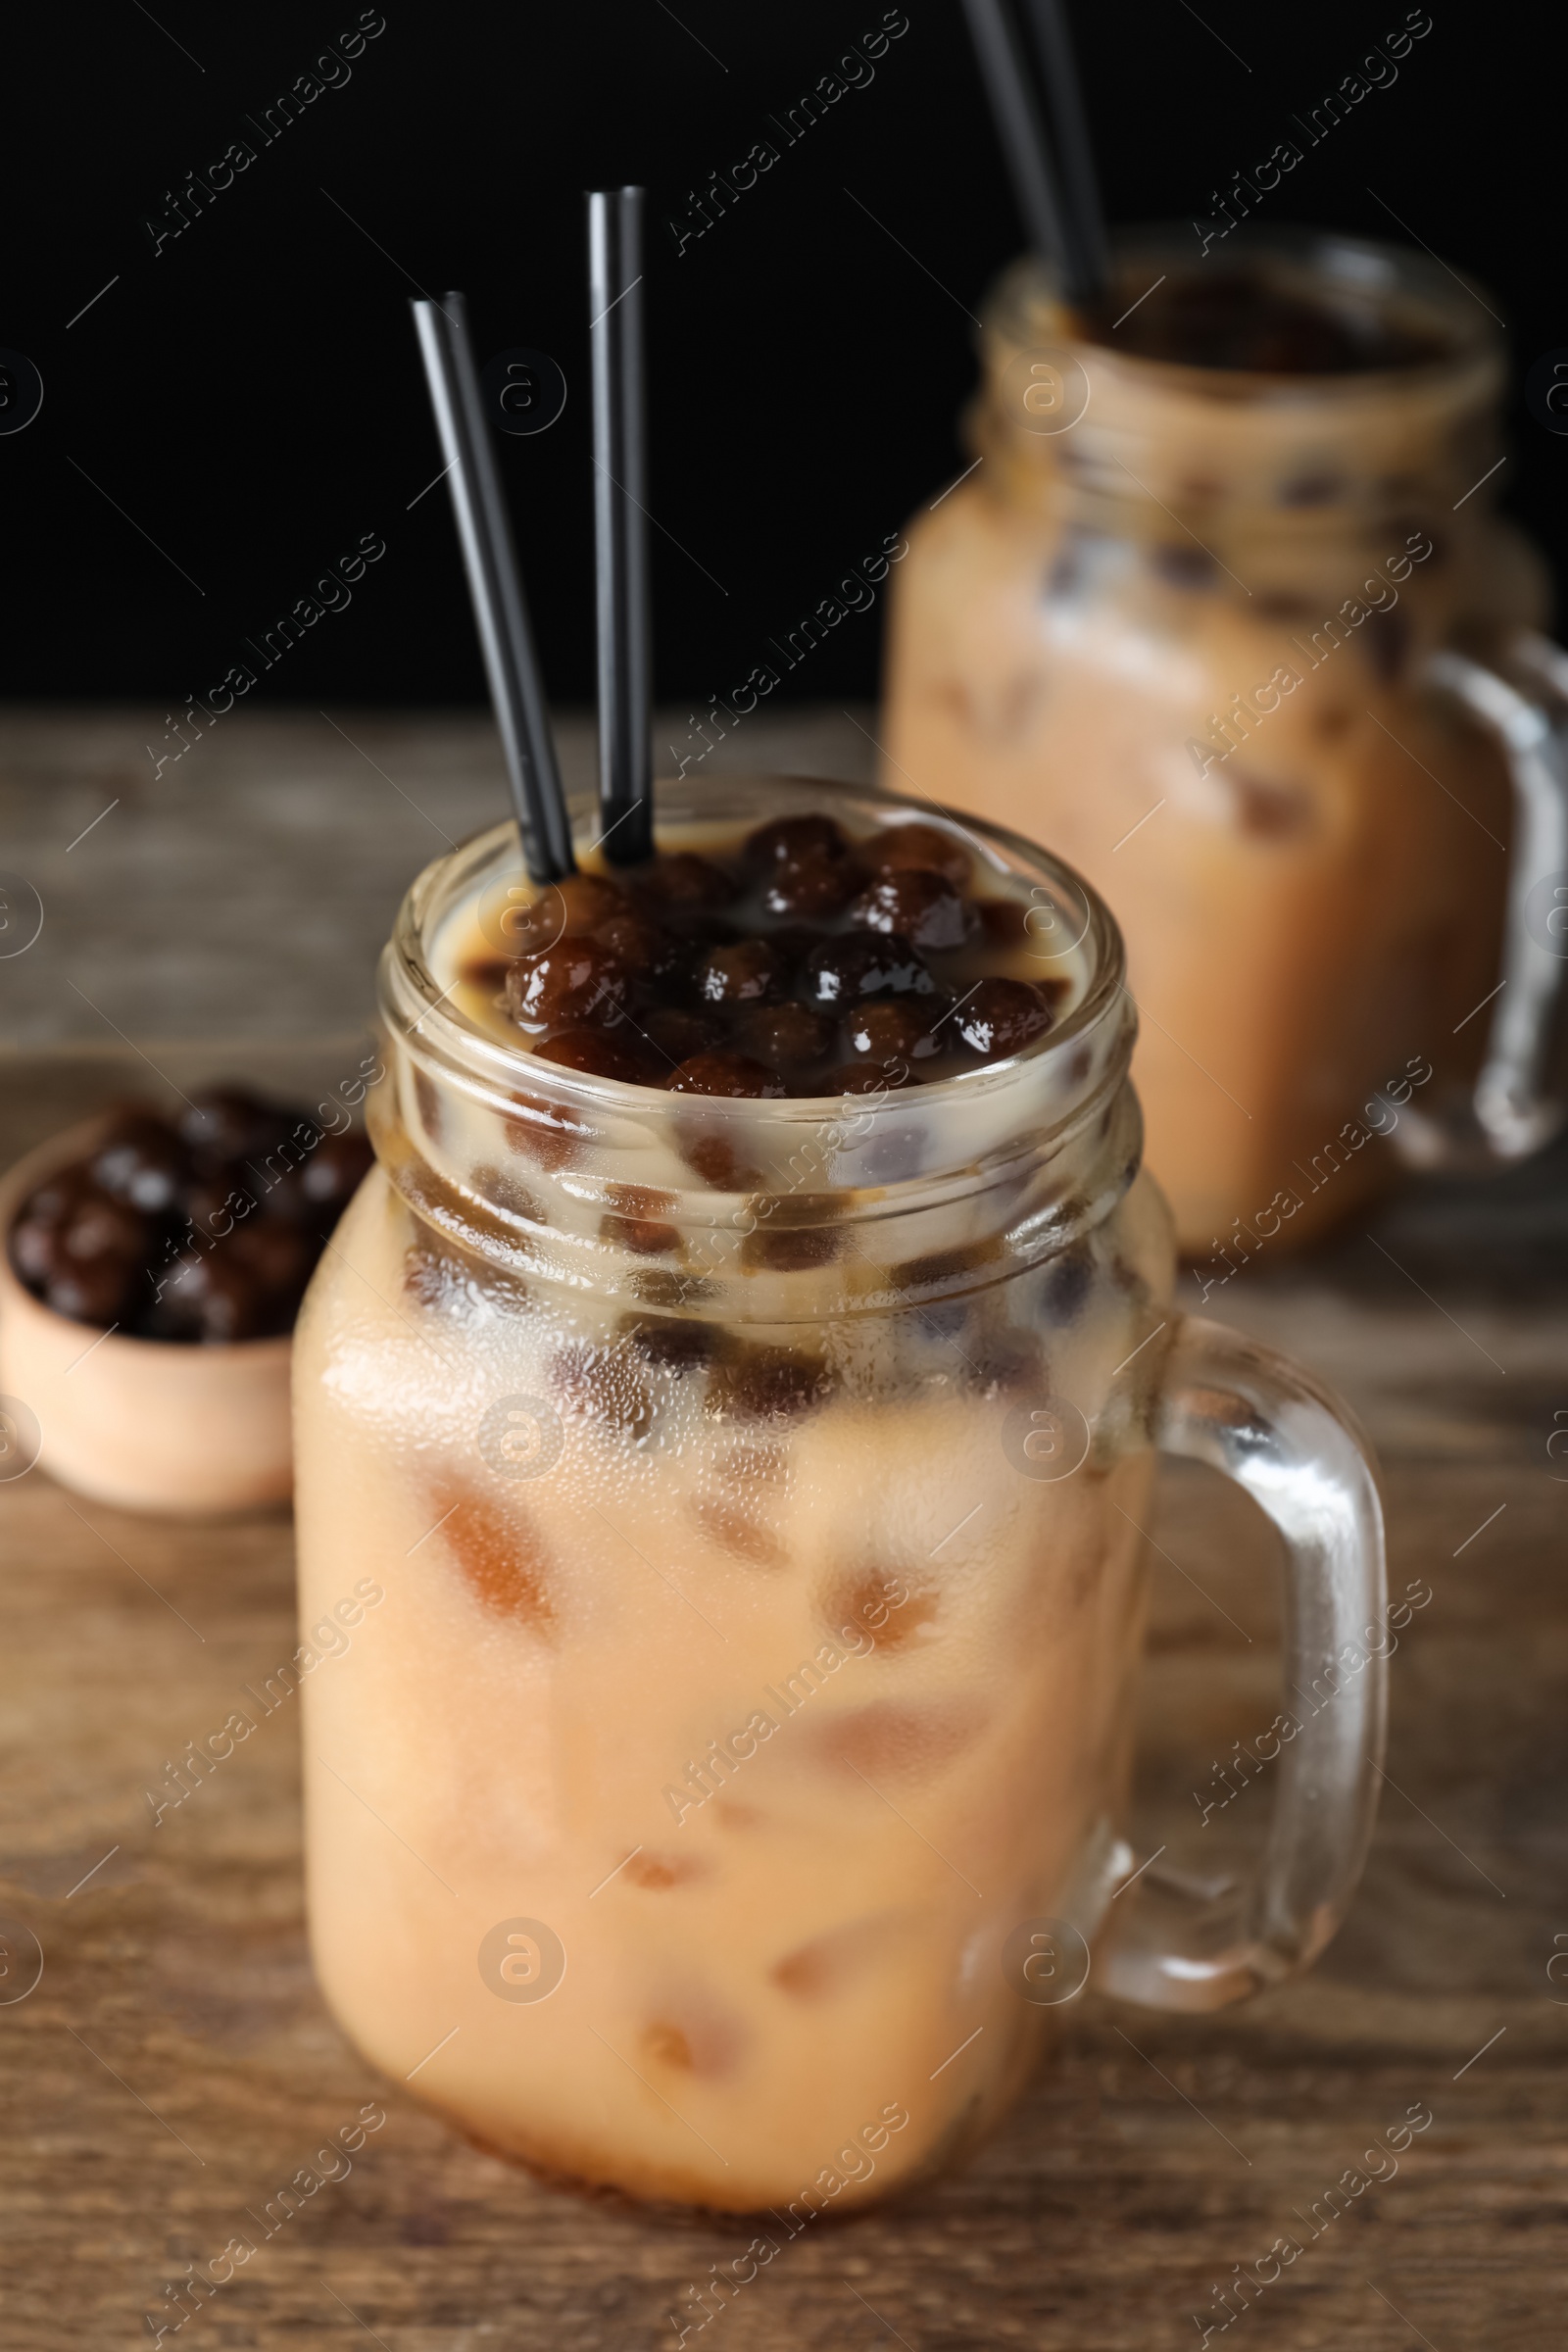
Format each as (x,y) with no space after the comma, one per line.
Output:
(153,1425)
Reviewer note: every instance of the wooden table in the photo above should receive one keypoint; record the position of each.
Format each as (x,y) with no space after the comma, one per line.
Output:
(175,2067)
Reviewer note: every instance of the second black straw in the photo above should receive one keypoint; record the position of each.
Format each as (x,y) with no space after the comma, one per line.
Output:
(1030,76)
(621,502)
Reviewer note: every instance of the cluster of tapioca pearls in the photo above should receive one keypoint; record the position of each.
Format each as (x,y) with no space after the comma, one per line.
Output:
(202,1228)
(797,962)
(1250,319)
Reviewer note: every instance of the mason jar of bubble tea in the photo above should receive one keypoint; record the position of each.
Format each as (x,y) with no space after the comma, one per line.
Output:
(732,1786)
(1223,610)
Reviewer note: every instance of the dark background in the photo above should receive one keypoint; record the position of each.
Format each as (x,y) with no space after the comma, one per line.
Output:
(251,398)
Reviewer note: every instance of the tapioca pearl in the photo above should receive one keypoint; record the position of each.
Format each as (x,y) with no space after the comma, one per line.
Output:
(642,1236)
(1065,1285)
(794,1206)
(428,1275)
(738,1531)
(927,848)
(767,1384)
(51,1202)
(1067,576)
(787,1035)
(589,898)
(1182,565)
(280,1259)
(576,982)
(696,933)
(577,902)
(893,1153)
(602,1386)
(718,1158)
(682,880)
(671,1293)
(103,1227)
(1270,809)
(639,1200)
(1410,532)
(1283,604)
(843,971)
(225,1123)
(218,1296)
(36,1248)
(498,1551)
(595,1054)
(751,972)
(88,1258)
(335,1170)
(727,1073)
(915,903)
(1004,1361)
(1312,486)
(428,1103)
(546,1133)
(438,1274)
(1243,320)
(1005,922)
(92,1256)
(897,1028)
(651,953)
(143,1163)
(944,1318)
(812,886)
(1000,1017)
(676,1034)
(1384,637)
(788,837)
(100,1290)
(794,942)
(672,1344)
(948,1269)
(789,1248)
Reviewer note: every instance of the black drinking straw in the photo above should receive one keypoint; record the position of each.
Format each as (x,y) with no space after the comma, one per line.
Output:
(517,692)
(620,523)
(1054,229)
(1064,103)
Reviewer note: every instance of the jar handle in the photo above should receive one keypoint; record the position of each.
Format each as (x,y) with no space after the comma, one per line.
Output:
(1191,1943)
(1513,1111)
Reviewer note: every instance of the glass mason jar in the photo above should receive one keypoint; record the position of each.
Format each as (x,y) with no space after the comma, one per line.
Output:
(1258,656)
(722,1586)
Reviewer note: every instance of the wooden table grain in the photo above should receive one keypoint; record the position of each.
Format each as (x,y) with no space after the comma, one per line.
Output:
(174,2067)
